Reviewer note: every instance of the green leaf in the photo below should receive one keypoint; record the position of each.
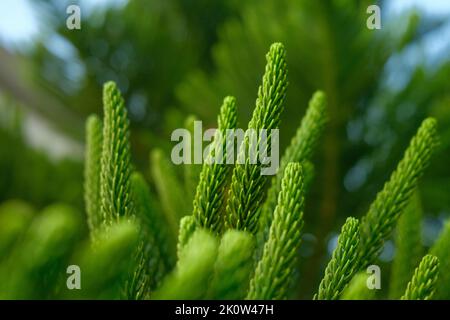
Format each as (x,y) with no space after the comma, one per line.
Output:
(152,219)
(275,270)
(191,171)
(384,212)
(248,185)
(39,258)
(234,266)
(105,265)
(343,264)
(357,289)
(300,150)
(211,191)
(153,255)
(187,228)
(15,217)
(194,269)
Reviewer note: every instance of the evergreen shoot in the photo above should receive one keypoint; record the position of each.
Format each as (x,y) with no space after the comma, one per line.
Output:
(234,266)
(409,250)
(441,249)
(211,191)
(92,168)
(275,270)
(300,150)
(194,269)
(357,289)
(423,283)
(248,185)
(187,228)
(384,212)
(343,264)
(226,231)
(115,187)
(171,194)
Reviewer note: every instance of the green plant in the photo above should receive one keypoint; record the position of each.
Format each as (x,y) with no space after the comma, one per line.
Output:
(357,289)
(115,187)
(274,271)
(194,267)
(408,246)
(210,195)
(359,244)
(39,245)
(91,177)
(216,243)
(441,249)
(423,284)
(234,263)
(343,262)
(300,149)
(247,184)
(384,212)
(232,246)
(170,192)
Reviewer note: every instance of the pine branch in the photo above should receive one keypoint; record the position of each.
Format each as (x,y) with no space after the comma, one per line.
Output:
(210,196)
(357,289)
(191,171)
(379,222)
(233,266)
(194,269)
(300,149)
(187,228)
(248,185)
(92,168)
(115,188)
(408,244)
(105,266)
(441,249)
(423,284)
(305,141)
(168,187)
(152,256)
(139,281)
(274,271)
(343,264)
(153,220)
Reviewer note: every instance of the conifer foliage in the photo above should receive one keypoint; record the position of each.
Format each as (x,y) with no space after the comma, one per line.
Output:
(343,262)
(210,196)
(300,150)
(276,267)
(423,284)
(247,184)
(384,212)
(92,168)
(115,187)
(240,238)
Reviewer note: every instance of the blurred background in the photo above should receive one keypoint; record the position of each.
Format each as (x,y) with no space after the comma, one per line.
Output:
(176,58)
